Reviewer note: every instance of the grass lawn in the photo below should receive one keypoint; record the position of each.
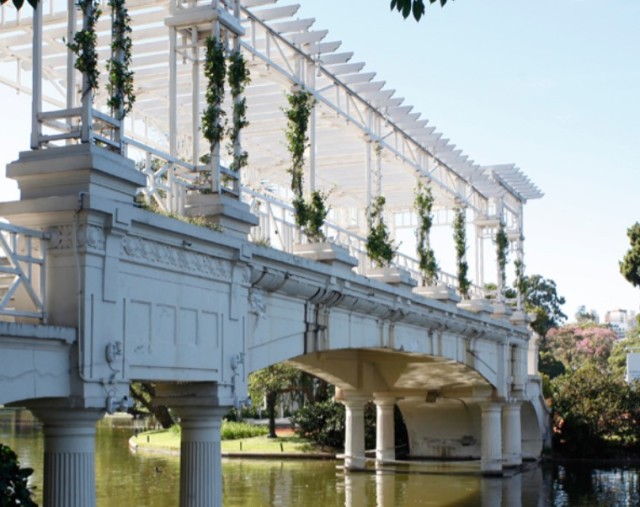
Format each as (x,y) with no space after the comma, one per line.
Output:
(170,439)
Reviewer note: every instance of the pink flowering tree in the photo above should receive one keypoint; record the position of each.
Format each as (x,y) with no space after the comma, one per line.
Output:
(576,344)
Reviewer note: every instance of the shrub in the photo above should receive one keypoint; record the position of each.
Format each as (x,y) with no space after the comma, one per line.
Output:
(13,480)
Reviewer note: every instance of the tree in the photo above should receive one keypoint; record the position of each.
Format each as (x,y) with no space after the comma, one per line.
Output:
(594,408)
(541,298)
(14,479)
(577,344)
(618,356)
(630,265)
(267,384)
(19,3)
(143,394)
(406,7)
(584,316)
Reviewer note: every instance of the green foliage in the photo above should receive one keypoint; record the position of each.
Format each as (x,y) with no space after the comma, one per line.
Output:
(630,265)
(460,239)
(502,248)
(215,70)
(324,424)
(618,357)
(541,298)
(309,214)
(423,204)
(14,479)
(238,78)
(595,408)
(380,247)
(576,344)
(233,430)
(406,7)
(84,44)
(120,83)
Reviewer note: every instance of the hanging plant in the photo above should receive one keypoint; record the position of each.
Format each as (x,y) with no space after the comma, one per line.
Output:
(380,247)
(213,122)
(502,246)
(520,282)
(238,78)
(423,204)
(84,44)
(120,84)
(309,214)
(460,239)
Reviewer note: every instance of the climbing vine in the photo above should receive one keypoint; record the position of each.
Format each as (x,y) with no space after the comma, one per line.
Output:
(238,78)
(120,84)
(460,239)
(502,246)
(84,44)
(423,204)
(521,281)
(309,214)
(213,121)
(380,247)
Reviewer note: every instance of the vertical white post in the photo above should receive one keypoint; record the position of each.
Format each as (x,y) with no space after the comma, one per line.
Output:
(69,456)
(385,432)
(512,441)
(71,58)
(311,83)
(354,456)
(195,92)
(87,92)
(491,458)
(200,456)
(479,230)
(36,102)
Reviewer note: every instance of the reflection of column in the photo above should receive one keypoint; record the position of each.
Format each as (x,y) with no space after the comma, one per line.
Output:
(69,456)
(355,493)
(491,462)
(385,489)
(354,458)
(200,408)
(492,493)
(512,441)
(385,438)
(512,491)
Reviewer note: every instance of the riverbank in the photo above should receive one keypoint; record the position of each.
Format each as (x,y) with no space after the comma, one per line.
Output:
(286,445)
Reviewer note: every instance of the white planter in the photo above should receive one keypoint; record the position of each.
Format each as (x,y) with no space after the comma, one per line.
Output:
(327,253)
(476,305)
(392,275)
(440,292)
(227,211)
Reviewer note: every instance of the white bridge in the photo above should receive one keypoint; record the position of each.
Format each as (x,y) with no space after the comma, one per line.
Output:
(97,292)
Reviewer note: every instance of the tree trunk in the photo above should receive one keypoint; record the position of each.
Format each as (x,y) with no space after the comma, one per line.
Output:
(272,398)
(143,393)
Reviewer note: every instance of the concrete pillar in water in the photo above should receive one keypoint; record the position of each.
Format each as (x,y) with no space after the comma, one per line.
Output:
(200,408)
(385,431)
(512,440)
(354,457)
(491,458)
(69,455)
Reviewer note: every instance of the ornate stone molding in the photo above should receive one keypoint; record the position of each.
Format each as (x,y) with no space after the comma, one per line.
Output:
(159,254)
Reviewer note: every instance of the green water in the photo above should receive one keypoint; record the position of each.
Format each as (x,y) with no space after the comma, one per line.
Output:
(126,479)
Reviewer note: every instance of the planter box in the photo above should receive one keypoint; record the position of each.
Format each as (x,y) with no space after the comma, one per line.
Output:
(224,210)
(476,305)
(327,253)
(392,276)
(440,292)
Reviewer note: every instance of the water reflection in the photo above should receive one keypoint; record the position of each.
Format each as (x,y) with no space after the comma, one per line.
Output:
(123,478)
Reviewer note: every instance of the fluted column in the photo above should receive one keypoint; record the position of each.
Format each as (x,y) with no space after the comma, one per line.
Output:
(385,432)
(354,457)
(200,407)
(512,438)
(200,456)
(69,456)
(491,459)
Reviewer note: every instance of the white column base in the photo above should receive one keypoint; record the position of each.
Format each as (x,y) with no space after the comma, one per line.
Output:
(69,456)
(491,457)
(385,437)
(512,439)
(354,457)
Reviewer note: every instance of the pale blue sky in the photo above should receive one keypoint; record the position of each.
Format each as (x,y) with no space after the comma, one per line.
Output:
(551,86)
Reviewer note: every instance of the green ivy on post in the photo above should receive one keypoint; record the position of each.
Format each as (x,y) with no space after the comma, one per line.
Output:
(120,83)
(238,78)
(423,205)
(460,239)
(84,45)
(380,248)
(502,246)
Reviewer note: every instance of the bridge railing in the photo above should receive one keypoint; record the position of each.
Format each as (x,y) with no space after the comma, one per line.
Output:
(169,179)
(22,272)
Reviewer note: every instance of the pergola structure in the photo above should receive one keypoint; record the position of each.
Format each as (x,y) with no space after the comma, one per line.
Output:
(364,140)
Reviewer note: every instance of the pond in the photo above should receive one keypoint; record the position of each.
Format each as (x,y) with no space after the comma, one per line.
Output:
(124,478)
